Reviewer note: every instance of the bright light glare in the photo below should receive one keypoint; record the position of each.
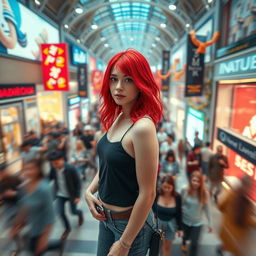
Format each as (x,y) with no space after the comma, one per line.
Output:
(94,26)
(163,25)
(172,7)
(79,10)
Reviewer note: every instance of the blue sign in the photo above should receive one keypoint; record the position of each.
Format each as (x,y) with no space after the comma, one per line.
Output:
(240,65)
(78,55)
(237,144)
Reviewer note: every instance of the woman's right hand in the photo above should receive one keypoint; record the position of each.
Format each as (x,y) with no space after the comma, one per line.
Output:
(92,201)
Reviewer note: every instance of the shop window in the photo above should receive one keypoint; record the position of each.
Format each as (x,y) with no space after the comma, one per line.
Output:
(11,131)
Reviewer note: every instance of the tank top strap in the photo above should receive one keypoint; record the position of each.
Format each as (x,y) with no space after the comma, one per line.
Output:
(127,131)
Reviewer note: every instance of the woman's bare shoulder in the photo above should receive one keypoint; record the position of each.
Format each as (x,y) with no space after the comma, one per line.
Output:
(144,126)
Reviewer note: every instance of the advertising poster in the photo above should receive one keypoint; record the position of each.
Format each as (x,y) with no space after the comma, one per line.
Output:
(97,78)
(78,56)
(243,122)
(55,67)
(165,68)
(194,70)
(21,37)
(85,110)
(195,123)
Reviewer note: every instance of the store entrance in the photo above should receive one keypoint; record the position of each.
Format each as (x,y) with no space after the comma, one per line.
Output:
(11,125)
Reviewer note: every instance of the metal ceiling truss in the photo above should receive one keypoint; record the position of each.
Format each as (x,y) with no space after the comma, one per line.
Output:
(181,16)
(131,33)
(166,32)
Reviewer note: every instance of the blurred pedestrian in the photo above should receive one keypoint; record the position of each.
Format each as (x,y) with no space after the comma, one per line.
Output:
(36,210)
(197,140)
(194,160)
(206,154)
(195,202)
(238,217)
(67,187)
(169,213)
(215,174)
(169,165)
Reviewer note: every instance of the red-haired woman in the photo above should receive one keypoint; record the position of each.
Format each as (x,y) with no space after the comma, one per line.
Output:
(128,153)
(169,213)
(195,201)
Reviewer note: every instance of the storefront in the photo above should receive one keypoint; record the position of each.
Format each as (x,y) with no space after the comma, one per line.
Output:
(235,111)
(85,110)
(17,102)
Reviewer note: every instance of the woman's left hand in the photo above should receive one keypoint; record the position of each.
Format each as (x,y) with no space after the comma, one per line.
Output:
(210,229)
(118,250)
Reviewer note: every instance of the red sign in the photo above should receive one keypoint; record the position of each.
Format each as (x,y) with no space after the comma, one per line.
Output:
(55,67)
(17,90)
(97,78)
(243,122)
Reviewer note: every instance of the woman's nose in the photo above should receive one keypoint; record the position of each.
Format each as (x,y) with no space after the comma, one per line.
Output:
(119,85)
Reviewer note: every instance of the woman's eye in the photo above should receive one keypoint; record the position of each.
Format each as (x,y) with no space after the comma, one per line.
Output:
(128,80)
(113,79)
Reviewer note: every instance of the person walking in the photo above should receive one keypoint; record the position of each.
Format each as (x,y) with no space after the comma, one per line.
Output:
(126,183)
(206,154)
(169,213)
(215,174)
(195,202)
(67,187)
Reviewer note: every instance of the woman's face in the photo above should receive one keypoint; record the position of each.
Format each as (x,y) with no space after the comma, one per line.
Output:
(123,89)
(167,188)
(170,159)
(195,183)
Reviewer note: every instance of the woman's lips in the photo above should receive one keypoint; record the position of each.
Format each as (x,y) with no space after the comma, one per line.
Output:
(119,96)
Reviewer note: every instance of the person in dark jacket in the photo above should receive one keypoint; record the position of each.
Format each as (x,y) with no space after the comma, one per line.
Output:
(67,187)
(169,213)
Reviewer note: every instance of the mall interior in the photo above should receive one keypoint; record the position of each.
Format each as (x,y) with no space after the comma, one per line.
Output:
(202,54)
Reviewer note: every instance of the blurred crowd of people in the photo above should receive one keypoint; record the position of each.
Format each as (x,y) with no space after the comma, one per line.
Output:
(60,160)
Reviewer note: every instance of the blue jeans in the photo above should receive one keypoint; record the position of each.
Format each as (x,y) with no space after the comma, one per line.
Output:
(111,231)
(61,210)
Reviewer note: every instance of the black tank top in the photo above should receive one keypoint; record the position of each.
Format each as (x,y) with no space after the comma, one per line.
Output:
(117,175)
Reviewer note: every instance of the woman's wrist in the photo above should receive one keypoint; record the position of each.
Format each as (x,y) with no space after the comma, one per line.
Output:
(124,244)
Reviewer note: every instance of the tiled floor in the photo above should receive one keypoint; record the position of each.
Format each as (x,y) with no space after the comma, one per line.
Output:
(82,241)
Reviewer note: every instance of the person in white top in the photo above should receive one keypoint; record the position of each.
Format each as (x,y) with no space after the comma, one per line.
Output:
(161,135)
(206,154)
(166,146)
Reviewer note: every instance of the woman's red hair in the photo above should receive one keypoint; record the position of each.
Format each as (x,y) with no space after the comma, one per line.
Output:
(135,65)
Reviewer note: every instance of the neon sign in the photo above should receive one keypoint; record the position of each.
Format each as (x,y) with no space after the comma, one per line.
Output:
(17,90)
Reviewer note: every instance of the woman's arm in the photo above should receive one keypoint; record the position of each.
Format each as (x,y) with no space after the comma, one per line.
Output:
(206,208)
(91,200)
(146,156)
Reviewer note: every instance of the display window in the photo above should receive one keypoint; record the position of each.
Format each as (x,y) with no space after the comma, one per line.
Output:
(236,110)
(73,112)
(32,120)
(10,117)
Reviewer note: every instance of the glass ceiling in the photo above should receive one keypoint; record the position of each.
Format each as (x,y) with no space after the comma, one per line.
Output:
(130,33)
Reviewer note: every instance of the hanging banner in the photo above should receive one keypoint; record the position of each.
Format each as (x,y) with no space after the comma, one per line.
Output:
(55,67)
(97,77)
(194,70)
(165,69)
(82,80)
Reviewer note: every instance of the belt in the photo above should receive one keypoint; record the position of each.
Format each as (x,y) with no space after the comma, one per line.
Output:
(124,215)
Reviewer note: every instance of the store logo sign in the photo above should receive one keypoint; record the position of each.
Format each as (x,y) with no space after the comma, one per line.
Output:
(78,55)
(237,144)
(243,64)
(17,90)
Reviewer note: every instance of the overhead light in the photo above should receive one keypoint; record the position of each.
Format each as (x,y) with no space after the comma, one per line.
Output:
(106,45)
(79,10)
(78,40)
(209,1)
(172,7)
(187,25)
(132,39)
(37,2)
(175,39)
(157,38)
(66,26)
(163,25)
(94,26)
(103,39)
(153,45)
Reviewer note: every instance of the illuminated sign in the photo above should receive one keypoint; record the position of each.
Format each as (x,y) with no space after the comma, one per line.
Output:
(55,67)
(17,90)
(74,101)
(244,64)
(78,55)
